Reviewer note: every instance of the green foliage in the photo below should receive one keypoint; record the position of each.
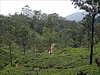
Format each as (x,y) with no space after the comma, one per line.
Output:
(4,58)
(35,33)
(65,61)
(93,7)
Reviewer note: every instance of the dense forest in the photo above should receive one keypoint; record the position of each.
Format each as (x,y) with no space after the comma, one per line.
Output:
(36,43)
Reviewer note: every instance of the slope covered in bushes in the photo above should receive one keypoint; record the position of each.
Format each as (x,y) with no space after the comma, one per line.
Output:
(61,62)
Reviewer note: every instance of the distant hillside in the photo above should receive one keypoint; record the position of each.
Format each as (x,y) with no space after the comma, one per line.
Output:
(76,16)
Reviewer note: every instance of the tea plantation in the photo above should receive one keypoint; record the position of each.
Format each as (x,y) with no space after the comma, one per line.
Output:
(69,61)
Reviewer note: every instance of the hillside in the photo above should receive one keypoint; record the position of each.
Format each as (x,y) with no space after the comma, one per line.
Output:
(67,61)
(25,40)
(77,16)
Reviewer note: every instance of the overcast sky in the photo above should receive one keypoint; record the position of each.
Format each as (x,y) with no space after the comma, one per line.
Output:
(61,7)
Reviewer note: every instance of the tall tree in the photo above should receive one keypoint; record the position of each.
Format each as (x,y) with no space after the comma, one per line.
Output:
(49,32)
(23,36)
(27,11)
(93,7)
(36,21)
(86,23)
(8,34)
(80,36)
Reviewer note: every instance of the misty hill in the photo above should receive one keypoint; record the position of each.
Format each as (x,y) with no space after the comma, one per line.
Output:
(76,16)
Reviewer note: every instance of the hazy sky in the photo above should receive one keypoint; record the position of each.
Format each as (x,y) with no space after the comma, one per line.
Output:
(61,7)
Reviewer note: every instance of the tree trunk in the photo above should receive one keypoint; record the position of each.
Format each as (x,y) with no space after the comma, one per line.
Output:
(91,53)
(88,44)
(10,53)
(50,45)
(80,41)
(88,39)
(24,48)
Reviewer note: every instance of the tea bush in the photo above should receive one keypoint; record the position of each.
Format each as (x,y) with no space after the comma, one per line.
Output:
(68,61)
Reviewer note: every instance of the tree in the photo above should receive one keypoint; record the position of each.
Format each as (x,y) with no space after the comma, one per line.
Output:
(1,29)
(97,31)
(93,7)
(86,23)
(49,34)
(80,36)
(23,36)
(36,23)
(27,11)
(36,42)
(20,20)
(8,34)
(64,38)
